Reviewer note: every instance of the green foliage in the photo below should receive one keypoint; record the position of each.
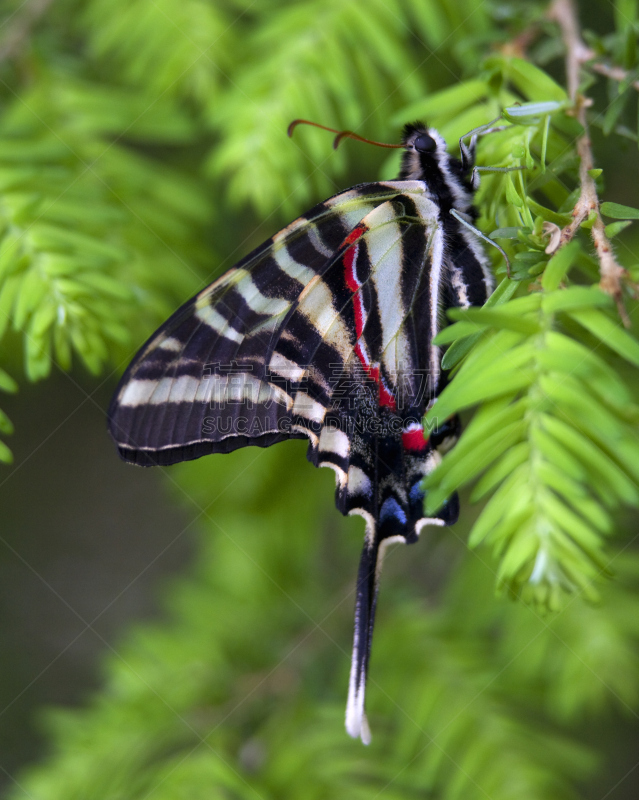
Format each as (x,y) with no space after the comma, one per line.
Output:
(83,218)
(469,699)
(135,138)
(7,384)
(324,50)
(554,442)
(167,47)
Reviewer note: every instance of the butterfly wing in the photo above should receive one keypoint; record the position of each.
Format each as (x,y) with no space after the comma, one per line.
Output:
(324,332)
(204,383)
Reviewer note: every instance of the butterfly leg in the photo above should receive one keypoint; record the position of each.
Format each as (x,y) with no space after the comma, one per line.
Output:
(475,179)
(461,218)
(468,150)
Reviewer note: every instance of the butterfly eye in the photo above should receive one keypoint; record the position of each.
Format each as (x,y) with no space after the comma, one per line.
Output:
(424,143)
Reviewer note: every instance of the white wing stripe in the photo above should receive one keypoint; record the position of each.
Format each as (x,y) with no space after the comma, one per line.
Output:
(255,300)
(334,441)
(211,317)
(292,267)
(217,389)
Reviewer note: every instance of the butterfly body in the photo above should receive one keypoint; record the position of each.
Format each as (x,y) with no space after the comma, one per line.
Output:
(325,333)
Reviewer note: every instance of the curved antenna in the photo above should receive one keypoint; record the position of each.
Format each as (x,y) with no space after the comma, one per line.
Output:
(351,135)
(340,134)
(296,122)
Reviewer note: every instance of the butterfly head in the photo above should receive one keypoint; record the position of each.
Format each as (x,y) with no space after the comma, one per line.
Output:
(423,151)
(426,159)
(417,137)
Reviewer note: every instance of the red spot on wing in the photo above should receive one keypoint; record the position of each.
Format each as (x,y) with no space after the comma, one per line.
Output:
(414,441)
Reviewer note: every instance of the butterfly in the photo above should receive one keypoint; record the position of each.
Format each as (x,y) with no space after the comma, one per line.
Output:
(325,332)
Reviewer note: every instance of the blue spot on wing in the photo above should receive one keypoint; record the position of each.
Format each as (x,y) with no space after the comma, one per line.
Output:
(391,508)
(416,493)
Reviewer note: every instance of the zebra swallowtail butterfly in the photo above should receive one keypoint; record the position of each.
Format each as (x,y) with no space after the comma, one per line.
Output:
(325,333)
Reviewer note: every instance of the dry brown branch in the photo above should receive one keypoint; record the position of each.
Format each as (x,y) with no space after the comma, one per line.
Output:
(615,73)
(18,30)
(587,206)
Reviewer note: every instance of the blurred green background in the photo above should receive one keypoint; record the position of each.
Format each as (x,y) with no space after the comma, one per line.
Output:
(186,633)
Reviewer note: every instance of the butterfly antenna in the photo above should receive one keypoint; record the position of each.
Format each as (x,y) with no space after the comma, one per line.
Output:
(297,122)
(340,134)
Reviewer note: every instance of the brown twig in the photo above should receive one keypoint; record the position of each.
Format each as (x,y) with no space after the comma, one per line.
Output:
(614,73)
(587,206)
(18,31)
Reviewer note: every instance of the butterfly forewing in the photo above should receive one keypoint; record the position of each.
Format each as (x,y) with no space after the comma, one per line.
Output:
(214,355)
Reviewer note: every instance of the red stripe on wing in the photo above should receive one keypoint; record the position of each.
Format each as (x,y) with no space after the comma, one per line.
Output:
(350,276)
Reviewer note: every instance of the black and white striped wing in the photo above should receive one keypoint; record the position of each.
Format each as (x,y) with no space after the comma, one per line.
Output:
(210,379)
(324,332)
